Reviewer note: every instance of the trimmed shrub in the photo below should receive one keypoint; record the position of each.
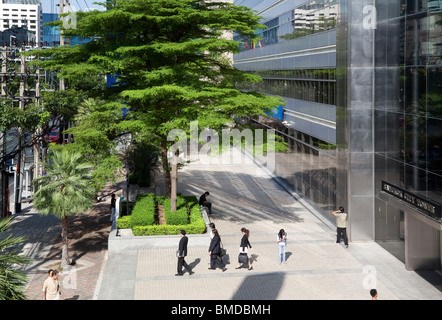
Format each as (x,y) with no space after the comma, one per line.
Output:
(180,216)
(143,213)
(123,222)
(196,227)
(188,216)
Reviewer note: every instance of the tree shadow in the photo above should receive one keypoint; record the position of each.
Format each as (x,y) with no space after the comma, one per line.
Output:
(240,197)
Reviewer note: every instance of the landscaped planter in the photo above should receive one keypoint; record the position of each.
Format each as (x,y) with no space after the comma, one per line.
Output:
(124,238)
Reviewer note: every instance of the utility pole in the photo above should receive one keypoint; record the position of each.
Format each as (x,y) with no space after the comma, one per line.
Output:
(64,8)
(4,176)
(20,160)
(63,41)
(37,144)
(8,54)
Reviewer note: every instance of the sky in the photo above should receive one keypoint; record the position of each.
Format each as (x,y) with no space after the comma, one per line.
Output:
(51,6)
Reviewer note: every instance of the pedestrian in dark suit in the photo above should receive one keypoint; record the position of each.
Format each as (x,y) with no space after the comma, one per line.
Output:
(181,253)
(243,249)
(215,252)
(203,202)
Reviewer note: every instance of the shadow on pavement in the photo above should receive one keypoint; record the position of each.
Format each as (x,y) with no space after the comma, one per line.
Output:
(260,287)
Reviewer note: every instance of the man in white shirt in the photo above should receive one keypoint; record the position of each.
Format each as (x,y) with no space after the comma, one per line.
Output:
(341,223)
(51,287)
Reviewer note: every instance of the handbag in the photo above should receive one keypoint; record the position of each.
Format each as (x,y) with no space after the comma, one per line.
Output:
(223,251)
(243,258)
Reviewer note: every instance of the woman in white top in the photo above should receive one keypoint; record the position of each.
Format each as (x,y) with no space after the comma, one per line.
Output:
(282,244)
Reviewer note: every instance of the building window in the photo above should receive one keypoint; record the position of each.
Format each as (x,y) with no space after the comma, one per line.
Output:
(305,84)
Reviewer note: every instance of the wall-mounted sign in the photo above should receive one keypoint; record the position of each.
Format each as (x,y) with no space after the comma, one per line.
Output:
(430,207)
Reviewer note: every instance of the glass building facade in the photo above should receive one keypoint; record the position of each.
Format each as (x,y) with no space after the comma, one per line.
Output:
(296,60)
(408,124)
(363,120)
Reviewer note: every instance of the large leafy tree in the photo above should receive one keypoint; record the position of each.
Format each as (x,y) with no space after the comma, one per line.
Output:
(171,58)
(95,132)
(64,190)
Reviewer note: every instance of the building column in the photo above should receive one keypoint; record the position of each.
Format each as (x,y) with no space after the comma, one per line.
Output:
(354,117)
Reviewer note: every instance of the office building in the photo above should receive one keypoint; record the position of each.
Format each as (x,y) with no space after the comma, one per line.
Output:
(362,81)
(24,14)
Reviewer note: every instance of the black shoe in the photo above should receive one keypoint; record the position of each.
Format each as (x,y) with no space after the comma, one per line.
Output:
(224,269)
(212,268)
(191,272)
(178,274)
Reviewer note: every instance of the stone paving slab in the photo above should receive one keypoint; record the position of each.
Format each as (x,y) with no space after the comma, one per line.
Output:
(259,286)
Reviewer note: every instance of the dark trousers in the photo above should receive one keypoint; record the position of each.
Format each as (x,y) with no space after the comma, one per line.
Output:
(208,205)
(216,260)
(181,264)
(342,232)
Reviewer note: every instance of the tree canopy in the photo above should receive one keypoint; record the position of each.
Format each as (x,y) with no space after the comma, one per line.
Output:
(172,59)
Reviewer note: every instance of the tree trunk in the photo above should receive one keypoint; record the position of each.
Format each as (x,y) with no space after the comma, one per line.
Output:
(166,169)
(64,238)
(174,180)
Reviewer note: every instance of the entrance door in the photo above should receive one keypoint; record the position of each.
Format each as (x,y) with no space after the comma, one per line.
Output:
(422,243)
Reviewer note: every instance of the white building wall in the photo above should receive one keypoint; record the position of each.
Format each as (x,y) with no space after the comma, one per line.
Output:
(27,15)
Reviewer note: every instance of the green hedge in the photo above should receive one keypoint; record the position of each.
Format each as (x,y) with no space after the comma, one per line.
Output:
(123,222)
(143,213)
(177,217)
(144,220)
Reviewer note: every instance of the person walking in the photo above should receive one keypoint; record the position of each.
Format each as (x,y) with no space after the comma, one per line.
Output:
(282,244)
(203,202)
(341,223)
(112,207)
(243,257)
(211,227)
(181,253)
(51,287)
(215,252)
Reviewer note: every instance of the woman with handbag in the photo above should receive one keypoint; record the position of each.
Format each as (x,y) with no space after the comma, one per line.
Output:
(215,252)
(243,257)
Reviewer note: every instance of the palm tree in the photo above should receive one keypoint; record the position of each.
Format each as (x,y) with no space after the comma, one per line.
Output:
(12,281)
(64,190)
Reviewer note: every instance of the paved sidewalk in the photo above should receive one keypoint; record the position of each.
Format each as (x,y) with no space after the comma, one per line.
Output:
(244,195)
(88,234)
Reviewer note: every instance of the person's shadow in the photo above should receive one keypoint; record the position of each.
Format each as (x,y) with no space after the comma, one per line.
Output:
(287,255)
(253,258)
(194,263)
